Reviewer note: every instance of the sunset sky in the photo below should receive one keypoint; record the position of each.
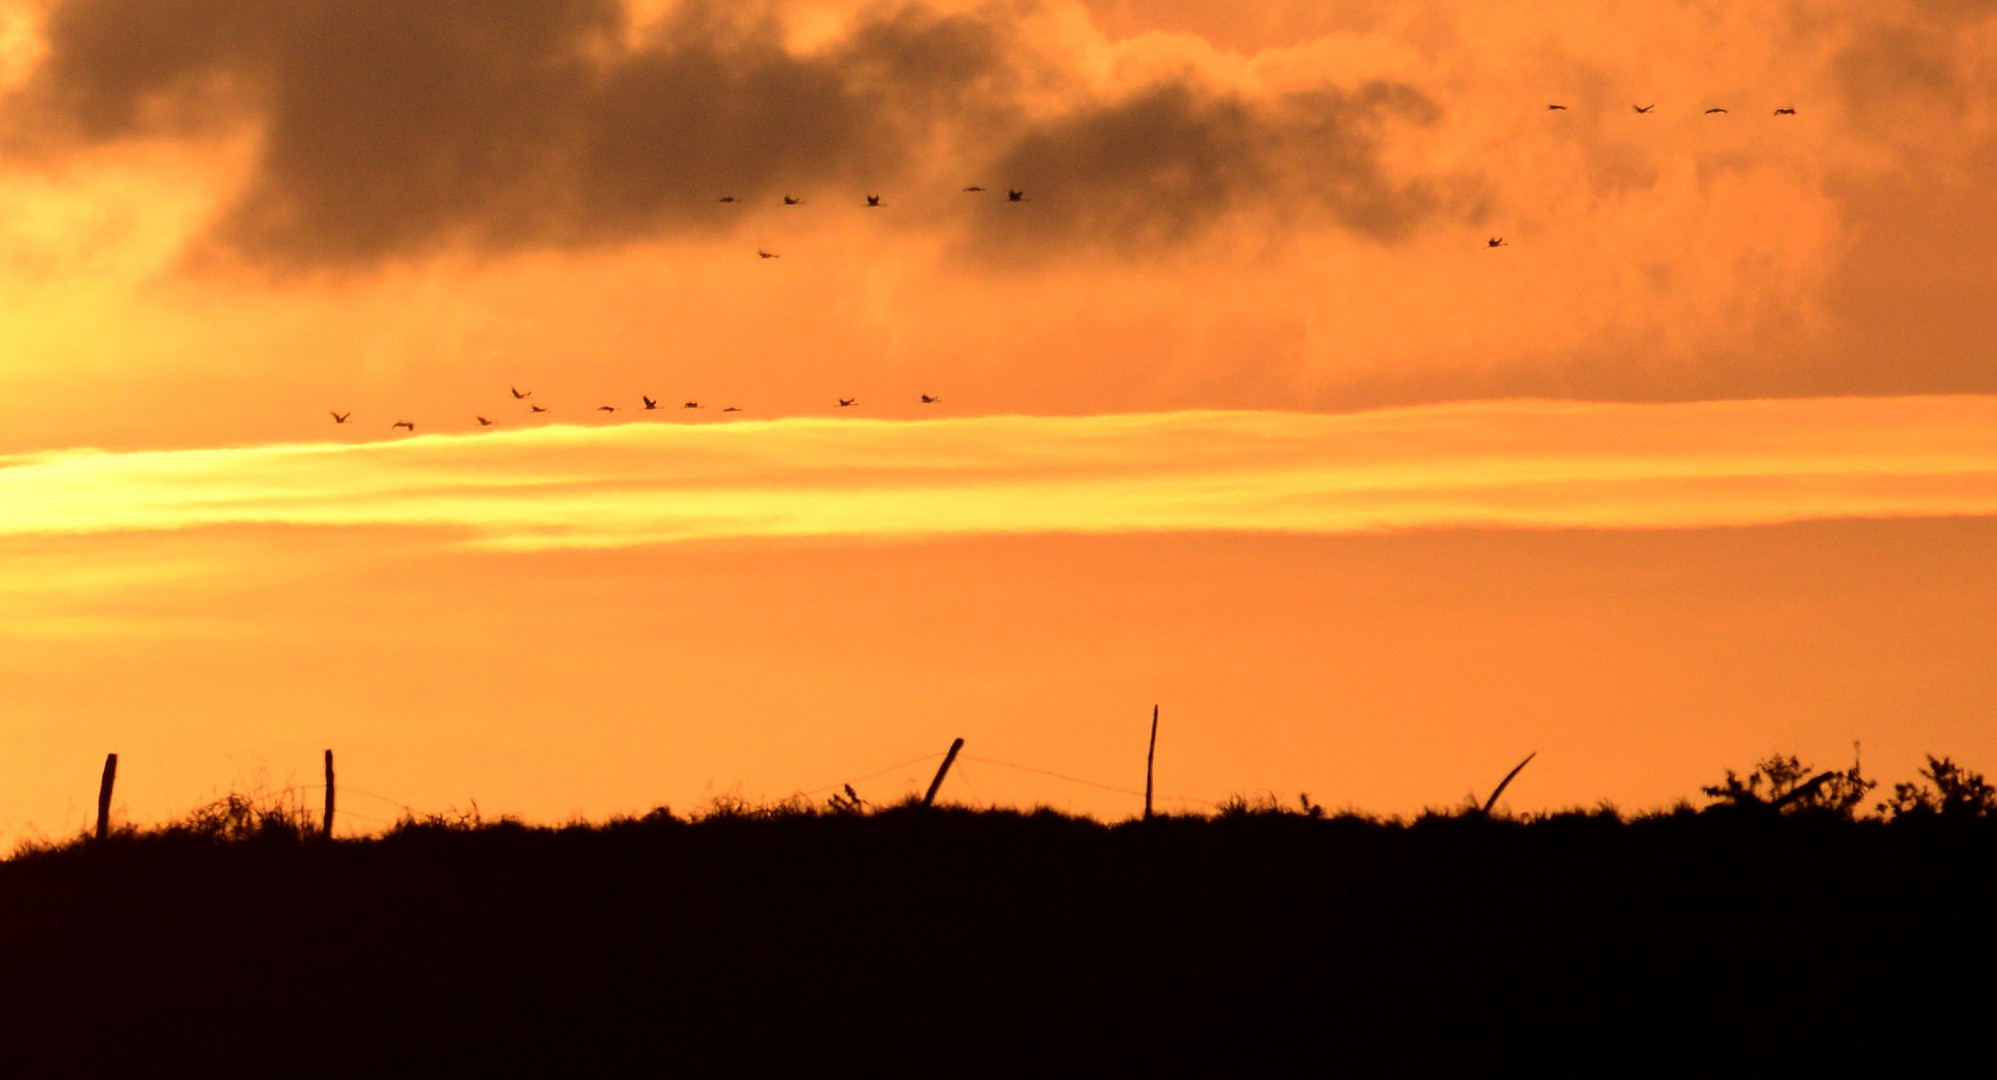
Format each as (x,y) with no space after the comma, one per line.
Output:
(1239,411)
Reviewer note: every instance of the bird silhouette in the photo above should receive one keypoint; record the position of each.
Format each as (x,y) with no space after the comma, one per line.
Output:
(761,254)
(606,408)
(690,405)
(518,393)
(1014,195)
(538,408)
(341,417)
(482,421)
(1644,108)
(1785,112)
(1714,109)
(974,187)
(731,408)
(726,198)
(402,424)
(649,403)
(927,400)
(1556,108)
(1496,241)
(873,200)
(848,402)
(792,200)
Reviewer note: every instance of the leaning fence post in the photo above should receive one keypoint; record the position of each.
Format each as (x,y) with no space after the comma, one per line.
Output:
(104,795)
(1149,756)
(326,829)
(941,770)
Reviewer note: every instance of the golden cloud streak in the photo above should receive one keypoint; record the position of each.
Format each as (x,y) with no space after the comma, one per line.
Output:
(1516,464)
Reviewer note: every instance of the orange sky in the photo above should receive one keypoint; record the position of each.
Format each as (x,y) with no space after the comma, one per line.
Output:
(1238,410)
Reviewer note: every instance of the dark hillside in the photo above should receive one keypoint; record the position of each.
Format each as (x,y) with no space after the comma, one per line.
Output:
(952,941)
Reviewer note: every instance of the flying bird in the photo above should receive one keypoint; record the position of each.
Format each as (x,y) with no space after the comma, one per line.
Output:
(538,408)
(606,408)
(792,200)
(649,403)
(1496,241)
(1714,109)
(1556,108)
(517,394)
(402,424)
(761,254)
(341,417)
(1014,195)
(1644,108)
(731,408)
(726,198)
(482,421)
(690,405)
(927,400)
(1785,112)
(873,200)
(848,402)
(974,187)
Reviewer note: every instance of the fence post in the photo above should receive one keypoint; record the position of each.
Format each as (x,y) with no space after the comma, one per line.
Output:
(1149,756)
(1505,783)
(104,795)
(326,829)
(941,770)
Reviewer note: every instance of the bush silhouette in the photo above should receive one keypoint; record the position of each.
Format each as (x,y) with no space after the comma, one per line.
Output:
(1782,783)
(1949,791)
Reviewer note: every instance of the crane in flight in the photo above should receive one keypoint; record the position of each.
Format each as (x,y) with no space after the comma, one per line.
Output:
(873,200)
(761,254)
(726,198)
(1785,112)
(974,187)
(792,200)
(927,400)
(848,402)
(1715,110)
(690,405)
(606,408)
(1644,108)
(732,408)
(341,417)
(402,424)
(518,393)
(1556,108)
(649,403)
(1496,242)
(1014,195)
(538,408)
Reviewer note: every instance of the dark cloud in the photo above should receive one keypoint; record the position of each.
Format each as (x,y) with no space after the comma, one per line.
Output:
(1162,166)
(394,129)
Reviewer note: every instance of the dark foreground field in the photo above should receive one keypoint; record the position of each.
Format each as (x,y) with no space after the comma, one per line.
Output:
(952,942)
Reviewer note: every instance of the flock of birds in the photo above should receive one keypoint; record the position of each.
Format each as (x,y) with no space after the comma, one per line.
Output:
(1012,195)
(649,404)
(1640,110)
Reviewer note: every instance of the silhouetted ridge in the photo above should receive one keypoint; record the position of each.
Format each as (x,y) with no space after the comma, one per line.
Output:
(831,938)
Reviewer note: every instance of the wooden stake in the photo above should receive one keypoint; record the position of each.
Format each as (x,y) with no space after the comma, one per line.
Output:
(948,760)
(104,795)
(326,829)
(1505,783)
(1149,756)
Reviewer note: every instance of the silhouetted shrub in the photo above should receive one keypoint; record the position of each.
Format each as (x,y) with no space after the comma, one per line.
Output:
(1782,783)
(1949,791)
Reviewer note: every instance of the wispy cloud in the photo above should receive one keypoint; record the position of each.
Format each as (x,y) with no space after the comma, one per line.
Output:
(1521,464)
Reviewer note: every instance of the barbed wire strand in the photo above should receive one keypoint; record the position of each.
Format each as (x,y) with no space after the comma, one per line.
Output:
(1079,780)
(871,775)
